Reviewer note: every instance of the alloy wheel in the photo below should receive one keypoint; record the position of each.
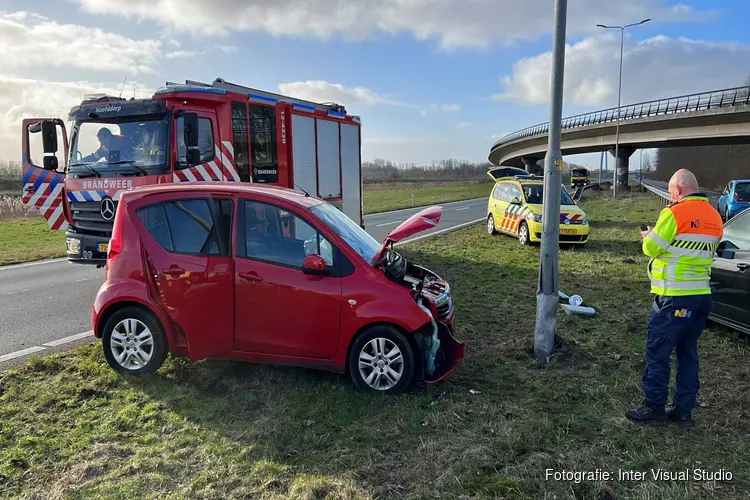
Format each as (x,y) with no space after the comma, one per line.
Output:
(132,344)
(381,364)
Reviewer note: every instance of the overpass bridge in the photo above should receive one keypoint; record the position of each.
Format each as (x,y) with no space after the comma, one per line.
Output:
(718,117)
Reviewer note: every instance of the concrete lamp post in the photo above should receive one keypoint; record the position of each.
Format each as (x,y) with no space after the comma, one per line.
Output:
(619,95)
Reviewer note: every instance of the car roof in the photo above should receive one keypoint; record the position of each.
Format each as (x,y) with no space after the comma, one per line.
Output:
(217,187)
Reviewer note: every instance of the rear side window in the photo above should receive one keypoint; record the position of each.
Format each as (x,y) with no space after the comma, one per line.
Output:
(191,226)
(737,233)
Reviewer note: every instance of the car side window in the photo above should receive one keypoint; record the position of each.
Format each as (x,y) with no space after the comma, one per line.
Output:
(736,235)
(505,192)
(205,141)
(515,192)
(496,191)
(190,226)
(277,236)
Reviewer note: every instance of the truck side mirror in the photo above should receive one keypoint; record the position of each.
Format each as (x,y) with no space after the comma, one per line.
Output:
(192,154)
(49,138)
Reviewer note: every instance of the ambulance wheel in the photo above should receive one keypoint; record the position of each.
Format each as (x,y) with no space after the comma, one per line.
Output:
(523,234)
(134,342)
(381,360)
(491,225)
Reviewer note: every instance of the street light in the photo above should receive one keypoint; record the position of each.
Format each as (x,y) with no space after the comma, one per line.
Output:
(619,91)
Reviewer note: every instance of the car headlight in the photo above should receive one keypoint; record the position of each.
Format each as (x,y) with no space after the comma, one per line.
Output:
(585,221)
(537,217)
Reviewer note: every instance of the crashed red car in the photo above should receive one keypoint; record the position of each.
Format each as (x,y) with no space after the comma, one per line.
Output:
(265,274)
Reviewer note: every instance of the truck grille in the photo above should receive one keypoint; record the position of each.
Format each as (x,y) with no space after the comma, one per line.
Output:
(87,216)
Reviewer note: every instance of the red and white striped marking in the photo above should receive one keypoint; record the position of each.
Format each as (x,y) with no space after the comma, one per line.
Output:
(220,168)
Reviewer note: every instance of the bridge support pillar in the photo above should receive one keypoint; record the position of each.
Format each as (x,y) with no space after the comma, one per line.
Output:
(622,165)
(529,164)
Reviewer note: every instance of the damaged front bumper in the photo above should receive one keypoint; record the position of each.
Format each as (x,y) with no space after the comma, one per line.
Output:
(441,351)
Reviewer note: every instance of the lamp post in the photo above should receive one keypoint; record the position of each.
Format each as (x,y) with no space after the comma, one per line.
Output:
(619,94)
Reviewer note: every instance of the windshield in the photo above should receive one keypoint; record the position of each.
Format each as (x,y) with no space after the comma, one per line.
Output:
(742,191)
(123,148)
(534,194)
(357,238)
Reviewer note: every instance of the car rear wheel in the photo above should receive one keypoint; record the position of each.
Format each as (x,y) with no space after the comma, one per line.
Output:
(523,234)
(134,342)
(491,225)
(381,360)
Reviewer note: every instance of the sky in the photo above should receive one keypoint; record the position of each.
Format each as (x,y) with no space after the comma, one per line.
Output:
(430,79)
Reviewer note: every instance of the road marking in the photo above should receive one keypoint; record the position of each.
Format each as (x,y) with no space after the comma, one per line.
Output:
(36,263)
(72,338)
(447,229)
(417,209)
(18,354)
(465,208)
(388,223)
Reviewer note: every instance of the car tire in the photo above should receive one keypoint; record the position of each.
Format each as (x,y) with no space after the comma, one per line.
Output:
(524,237)
(133,341)
(726,215)
(387,360)
(491,225)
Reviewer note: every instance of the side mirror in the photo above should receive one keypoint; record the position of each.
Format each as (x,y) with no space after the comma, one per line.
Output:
(49,137)
(515,201)
(50,163)
(192,154)
(314,265)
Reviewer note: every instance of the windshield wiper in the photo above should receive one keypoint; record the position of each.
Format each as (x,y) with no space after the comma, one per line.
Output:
(132,164)
(88,168)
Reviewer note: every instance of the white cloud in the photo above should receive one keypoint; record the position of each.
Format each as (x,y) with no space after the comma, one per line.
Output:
(464,125)
(29,40)
(445,108)
(450,108)
(453,23)
(679,65)
(183,54)
(321,91)
(25,98)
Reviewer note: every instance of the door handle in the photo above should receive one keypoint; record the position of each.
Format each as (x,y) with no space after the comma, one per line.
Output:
(743,266)
(251,277)
(174,271)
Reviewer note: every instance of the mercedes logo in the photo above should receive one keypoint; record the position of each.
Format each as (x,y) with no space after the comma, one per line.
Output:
(567,221)
(107,209)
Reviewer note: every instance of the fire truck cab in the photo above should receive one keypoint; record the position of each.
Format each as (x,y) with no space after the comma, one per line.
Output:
(192,132)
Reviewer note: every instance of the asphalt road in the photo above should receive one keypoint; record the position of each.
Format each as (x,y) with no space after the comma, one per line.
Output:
(713,196)
(46,306)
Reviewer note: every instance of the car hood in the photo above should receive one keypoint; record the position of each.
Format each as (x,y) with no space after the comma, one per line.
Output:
(572,212)
(421,221)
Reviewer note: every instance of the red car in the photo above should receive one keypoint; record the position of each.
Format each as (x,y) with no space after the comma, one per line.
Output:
(266,274)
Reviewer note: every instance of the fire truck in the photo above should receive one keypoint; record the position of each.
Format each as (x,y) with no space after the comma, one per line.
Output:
(191,132)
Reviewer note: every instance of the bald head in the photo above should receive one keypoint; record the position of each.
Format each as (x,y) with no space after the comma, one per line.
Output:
(682,183)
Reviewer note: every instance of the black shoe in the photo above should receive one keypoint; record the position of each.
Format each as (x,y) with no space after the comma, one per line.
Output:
(682,417)
(647,414)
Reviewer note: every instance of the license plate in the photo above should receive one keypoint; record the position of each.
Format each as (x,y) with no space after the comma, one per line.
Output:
(103,247)
(567,231)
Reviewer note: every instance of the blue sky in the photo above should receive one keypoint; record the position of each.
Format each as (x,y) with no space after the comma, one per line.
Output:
(430,78)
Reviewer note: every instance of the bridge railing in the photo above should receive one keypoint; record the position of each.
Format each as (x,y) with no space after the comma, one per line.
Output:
(738,96)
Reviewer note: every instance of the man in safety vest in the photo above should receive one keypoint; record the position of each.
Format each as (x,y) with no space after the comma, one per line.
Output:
(681,247)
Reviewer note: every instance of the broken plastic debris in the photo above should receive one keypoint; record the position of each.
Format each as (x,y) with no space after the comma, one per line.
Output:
(473,391)
(575,300)
(562,295)
(586,311)
(308,423)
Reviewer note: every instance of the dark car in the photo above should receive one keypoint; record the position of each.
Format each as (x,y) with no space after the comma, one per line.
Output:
(730,275)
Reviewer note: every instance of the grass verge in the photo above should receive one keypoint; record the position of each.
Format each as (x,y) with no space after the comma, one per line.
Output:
(395,197)
(71,428)
(27,239)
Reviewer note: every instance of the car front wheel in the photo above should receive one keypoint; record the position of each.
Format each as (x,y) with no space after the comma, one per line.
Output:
(523,234)
(491,225)
(381,360)
(134,342)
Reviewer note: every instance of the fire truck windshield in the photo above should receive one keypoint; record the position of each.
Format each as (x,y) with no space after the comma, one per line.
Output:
(109,149)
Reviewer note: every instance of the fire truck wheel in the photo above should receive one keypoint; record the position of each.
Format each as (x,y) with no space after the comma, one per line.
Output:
(133,341)
(381,360)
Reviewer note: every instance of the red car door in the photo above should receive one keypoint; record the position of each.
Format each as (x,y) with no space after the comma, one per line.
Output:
(280,309)
(187,246)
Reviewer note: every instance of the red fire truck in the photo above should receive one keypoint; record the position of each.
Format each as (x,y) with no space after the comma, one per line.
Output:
(192,132)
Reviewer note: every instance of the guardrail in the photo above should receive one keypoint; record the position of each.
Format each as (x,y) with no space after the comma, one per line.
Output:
(665,197)
(737,96)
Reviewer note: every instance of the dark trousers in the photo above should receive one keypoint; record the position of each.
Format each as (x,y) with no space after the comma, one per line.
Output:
(676,324)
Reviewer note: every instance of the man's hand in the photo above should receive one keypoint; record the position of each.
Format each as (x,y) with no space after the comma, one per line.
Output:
(644,233)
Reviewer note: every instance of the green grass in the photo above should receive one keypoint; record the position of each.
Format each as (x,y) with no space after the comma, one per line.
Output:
(71,428)
(395,197)
(23,240)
